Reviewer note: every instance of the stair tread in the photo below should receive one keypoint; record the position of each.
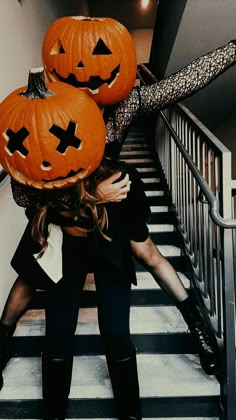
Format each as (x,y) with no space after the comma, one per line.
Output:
(149,169)
(143,320)
(138,160)
(159,209)
(135,153)
(154,193)
(170,250)
(144,278)
(151,180)
(157,227)
(135,146)
(159,376)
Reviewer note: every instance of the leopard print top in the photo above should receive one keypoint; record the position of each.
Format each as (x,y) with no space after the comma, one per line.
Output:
(141,101)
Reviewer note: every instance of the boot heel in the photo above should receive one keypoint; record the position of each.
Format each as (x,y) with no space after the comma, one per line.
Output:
(207,351)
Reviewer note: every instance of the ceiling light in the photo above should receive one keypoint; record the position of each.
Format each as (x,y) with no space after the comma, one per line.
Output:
(144,4)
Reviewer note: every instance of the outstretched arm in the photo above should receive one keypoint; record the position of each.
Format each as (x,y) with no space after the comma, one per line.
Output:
(174,88)
(188,80)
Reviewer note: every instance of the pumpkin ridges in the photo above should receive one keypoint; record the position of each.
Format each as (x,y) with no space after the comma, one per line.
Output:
(83,36)
(38,116)
(14,120)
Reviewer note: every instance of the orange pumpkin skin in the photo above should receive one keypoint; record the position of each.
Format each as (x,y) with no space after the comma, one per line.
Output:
(94,54)
(70,151)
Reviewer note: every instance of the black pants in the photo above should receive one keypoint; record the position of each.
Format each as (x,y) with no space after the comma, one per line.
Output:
(113,296)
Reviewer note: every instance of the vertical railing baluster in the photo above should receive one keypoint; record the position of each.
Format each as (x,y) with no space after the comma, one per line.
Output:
(204,240)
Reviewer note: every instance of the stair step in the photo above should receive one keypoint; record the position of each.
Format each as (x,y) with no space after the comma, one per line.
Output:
(162,217)
(170,250)
(153,186)
(159,209)
(139,161)
(143,170)
(143,320)
(179,264)
(135,137)
(153,180)
(158,200)
(170,385)
(126,154)
(200,407)
(162,343)
(154,193)
(158,329)
(146,293)
(144,418)
(137,146)
(164,238)
(181,376)
(160,228)
(146,281)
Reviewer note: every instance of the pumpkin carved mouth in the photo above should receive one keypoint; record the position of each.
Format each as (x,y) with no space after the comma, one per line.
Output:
(94,82)
(61,182)
(70,174)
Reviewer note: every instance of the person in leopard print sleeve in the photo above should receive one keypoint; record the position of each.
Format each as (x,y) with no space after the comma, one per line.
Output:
(119,118)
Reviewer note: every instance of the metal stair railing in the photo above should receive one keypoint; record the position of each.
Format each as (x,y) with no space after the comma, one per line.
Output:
(197,168)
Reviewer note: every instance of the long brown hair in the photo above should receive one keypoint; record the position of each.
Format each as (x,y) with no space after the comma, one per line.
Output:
(85,207)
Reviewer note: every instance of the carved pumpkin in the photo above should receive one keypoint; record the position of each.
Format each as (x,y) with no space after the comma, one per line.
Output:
(94,54)
(51,135)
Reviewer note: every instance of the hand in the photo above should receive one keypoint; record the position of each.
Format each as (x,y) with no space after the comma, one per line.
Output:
(110,191)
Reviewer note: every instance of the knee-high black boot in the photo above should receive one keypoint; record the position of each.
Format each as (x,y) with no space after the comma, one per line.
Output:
(6,347)
(202,339)
(125,385)
(56,378)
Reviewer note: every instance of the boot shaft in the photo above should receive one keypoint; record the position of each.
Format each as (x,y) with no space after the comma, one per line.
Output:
(56,380)
(125,385)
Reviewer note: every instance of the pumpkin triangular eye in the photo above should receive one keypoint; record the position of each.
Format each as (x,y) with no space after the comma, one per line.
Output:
(57,48)
(101,48)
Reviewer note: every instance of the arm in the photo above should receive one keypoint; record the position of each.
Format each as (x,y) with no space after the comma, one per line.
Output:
(111,191)
(188,80)
(174,88)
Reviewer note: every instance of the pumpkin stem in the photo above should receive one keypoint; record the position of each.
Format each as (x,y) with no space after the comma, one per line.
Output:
(36,85)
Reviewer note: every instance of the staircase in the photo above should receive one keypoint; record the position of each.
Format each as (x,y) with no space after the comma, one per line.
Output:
(172,383)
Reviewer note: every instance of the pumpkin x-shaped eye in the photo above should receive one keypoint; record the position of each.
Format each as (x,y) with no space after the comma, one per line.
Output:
(15,141)
(67,137)
(101,48)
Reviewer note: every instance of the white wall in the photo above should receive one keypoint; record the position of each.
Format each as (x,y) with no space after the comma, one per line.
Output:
(22,27)
(142,39)
(12,223)
(226,132)
(205,26)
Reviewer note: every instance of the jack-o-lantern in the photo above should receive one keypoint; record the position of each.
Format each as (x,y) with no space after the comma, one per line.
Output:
(51,135)
(94,54)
